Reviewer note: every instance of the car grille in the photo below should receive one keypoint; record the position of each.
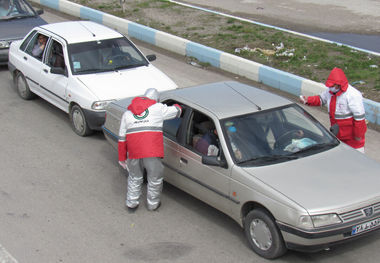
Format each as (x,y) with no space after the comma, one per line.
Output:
(361,213)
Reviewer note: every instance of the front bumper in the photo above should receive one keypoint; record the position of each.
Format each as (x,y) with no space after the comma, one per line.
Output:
(95,119)
(4,56)
(317,240)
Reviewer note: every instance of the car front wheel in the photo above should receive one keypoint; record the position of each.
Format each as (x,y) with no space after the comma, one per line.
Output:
(23,87)
(263,235)
(79,122)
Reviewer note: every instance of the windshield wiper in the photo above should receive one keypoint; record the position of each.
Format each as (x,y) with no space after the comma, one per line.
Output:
(269,158)
(16,16)
(129,66)
(315,147)
(91,71)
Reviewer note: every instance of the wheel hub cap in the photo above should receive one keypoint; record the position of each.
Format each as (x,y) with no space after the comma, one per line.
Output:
(78,120)
(261,234)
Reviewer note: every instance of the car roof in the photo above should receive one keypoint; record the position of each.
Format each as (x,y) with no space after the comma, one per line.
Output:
(81,31)
(227,99)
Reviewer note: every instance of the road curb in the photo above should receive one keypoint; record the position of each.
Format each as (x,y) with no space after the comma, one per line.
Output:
(275,78)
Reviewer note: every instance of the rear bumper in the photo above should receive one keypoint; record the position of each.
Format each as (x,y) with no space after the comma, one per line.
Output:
(318,240)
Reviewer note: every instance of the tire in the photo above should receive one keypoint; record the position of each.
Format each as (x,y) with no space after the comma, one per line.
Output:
(263,235)
(79,122)
(23,87)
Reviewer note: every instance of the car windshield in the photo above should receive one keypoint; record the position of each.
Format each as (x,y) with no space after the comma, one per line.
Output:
(275,135)
(104,55)
(12,9)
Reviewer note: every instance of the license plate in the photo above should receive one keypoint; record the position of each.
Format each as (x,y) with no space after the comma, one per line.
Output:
(365,226)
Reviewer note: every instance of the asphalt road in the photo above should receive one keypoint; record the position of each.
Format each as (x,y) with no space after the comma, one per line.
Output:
(62,196)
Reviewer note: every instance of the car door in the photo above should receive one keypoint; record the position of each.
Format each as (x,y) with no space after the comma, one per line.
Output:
(31,65)
(54,76)
(210,184)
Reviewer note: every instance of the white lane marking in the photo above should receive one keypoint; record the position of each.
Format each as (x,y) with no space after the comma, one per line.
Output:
(5,257)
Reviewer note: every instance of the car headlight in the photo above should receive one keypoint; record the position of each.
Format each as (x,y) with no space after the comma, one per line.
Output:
(5,43)
(325,220)
(310,222)
(101,105)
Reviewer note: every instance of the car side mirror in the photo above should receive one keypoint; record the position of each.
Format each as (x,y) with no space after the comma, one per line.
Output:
(214,161)
(58,70)
(151,57)
(40,11)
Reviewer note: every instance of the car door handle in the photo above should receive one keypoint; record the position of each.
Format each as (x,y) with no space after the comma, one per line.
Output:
(182,160)
(25,58)
(46,71)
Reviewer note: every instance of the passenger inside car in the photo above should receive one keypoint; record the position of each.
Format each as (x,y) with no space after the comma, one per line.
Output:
(39,46)
(56,56)
(205,137)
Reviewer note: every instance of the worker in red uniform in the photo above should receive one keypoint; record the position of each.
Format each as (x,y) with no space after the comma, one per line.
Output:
(141,146)
(345,107)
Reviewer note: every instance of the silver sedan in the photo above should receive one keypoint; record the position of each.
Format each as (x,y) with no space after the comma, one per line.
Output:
(268,164)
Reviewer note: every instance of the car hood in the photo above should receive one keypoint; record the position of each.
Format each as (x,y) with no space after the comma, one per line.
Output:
(17,28)
(126,83)
(326,181)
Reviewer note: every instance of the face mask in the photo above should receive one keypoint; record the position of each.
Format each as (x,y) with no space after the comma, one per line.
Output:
(334,89)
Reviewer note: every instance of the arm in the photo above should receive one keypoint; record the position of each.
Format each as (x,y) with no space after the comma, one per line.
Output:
(171,112)
(122,144)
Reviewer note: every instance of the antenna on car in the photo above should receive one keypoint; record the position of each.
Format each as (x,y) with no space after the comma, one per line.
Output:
(258,107)
(93,34)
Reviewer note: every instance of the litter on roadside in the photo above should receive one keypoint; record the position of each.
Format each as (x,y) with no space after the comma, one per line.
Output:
(269,52)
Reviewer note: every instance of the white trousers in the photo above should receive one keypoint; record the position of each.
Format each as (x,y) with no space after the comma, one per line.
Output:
(154,170)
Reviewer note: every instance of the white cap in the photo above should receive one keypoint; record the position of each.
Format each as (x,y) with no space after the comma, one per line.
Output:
(152,94)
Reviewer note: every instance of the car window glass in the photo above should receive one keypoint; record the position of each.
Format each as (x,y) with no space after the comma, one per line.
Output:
(171,127)
(14,8)
(294,117)
(202,136)
(36,46)
(27,40)
(55,56)
(273,134)
(104,55)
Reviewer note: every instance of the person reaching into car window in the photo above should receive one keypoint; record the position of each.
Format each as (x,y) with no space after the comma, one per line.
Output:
(346,109)
(39,47)
(141,145)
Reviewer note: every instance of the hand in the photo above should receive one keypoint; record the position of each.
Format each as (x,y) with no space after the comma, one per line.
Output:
(299,133)
(238,155)
(303,99)
(124,165)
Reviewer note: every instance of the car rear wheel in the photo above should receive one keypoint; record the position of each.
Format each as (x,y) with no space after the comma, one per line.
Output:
(263,235)
(23,87)
(79,122)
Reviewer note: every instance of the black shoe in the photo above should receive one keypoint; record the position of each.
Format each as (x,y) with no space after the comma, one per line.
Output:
(132,210)
(156,209)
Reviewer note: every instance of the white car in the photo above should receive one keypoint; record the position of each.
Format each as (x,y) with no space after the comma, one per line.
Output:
(82,67)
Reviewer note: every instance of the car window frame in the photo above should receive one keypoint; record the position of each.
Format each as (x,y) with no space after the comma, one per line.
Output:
(33,42)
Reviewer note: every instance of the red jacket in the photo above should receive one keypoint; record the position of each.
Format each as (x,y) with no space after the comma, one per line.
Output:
(141,126)
(345,109)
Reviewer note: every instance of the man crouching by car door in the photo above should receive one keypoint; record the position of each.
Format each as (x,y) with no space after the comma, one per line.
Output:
(141,145)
